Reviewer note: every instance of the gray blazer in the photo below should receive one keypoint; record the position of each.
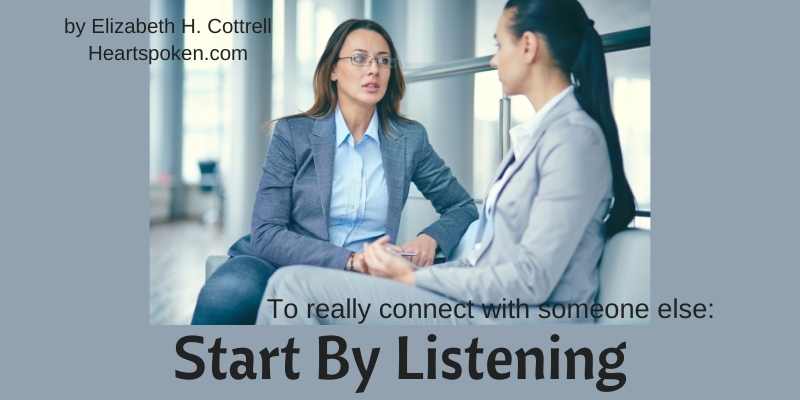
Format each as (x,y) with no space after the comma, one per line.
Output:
(548,224)
(290,216)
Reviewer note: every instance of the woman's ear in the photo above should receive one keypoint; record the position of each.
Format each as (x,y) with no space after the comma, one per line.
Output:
(530,46)
(334,74)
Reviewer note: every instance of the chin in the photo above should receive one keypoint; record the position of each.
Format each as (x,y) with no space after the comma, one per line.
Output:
(508,91)
(370,100)
(504,86)
(508,88)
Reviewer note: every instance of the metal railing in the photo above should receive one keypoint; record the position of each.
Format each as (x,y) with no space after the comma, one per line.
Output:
(612,42)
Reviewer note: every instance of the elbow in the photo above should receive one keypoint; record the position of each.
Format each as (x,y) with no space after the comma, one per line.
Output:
(534,294)
(465,207)
(538,298)
(468,212)
(542,291)
(262,238)
(468,207)
(540,282)
(471,210)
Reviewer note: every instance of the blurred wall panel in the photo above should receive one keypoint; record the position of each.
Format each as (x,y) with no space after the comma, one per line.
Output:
(251,107)
(438,31)
(166,112)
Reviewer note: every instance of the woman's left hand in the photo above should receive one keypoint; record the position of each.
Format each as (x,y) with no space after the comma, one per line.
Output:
(383,263)
(425,247)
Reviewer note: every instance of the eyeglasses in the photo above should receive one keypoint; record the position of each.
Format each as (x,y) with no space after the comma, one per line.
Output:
(363,60)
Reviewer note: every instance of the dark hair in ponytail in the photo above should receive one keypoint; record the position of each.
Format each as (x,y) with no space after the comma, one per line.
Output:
(578,51)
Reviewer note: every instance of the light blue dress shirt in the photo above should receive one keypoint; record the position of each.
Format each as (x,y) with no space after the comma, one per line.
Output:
(359,197)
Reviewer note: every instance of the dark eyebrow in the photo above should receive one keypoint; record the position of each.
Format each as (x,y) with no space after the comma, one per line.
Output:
(364,51)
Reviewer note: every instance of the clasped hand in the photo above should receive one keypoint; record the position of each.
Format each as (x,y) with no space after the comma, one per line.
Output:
(380,258)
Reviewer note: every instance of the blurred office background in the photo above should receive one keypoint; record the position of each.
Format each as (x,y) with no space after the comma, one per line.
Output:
(207,119)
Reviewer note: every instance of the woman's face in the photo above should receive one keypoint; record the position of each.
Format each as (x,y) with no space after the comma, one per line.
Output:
(363,84)
(511,57)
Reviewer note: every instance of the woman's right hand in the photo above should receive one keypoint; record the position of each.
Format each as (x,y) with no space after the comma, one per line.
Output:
(383,262)
(359,263)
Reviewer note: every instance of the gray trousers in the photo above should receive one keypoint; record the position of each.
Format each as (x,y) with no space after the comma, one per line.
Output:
(309,295)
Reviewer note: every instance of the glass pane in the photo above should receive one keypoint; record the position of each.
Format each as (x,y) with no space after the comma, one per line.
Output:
(486,16)
(629,81)
(609,16)
(297,46)
(486,138)
(206,105)
(615,15)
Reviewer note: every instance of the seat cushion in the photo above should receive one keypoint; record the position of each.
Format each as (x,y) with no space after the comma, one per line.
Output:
(625,271)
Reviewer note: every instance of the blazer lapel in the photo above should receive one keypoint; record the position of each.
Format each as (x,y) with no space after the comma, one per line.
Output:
(394,161)
(498,173)
(566,105)
(323,147)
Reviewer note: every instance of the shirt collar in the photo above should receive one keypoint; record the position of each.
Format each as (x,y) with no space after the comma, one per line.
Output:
(343,132)
(521,134)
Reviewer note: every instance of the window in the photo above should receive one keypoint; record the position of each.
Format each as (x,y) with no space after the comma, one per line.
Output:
(206,101)
(629,81)
(294,65)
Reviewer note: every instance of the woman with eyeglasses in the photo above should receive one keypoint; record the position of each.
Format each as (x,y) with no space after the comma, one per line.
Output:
(336,177)
(557,195)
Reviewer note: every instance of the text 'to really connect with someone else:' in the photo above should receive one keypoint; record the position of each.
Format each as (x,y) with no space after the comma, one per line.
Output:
(336,360)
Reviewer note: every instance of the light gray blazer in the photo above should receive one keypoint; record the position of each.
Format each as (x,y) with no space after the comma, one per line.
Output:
(290,216)
(548,224)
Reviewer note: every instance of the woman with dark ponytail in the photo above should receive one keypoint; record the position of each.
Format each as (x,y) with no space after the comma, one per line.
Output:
(558,194)
(578,51)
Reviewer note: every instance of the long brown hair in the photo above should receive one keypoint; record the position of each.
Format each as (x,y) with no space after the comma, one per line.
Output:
(325,91)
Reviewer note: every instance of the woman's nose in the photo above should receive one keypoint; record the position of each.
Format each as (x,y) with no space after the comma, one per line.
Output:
(373,67)
(493,61)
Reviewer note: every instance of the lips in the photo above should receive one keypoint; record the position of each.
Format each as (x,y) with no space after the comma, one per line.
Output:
(371,87)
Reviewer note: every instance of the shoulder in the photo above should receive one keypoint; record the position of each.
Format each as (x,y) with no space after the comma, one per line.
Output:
(575,142)
(575,129)
(292,124)
(412,131)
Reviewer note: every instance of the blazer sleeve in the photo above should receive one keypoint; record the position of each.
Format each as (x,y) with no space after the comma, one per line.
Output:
(575,177)
(455,206)
(270,237)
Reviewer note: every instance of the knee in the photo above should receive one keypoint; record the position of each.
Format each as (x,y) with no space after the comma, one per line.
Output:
(233,292)
(289,283)
(239,277)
